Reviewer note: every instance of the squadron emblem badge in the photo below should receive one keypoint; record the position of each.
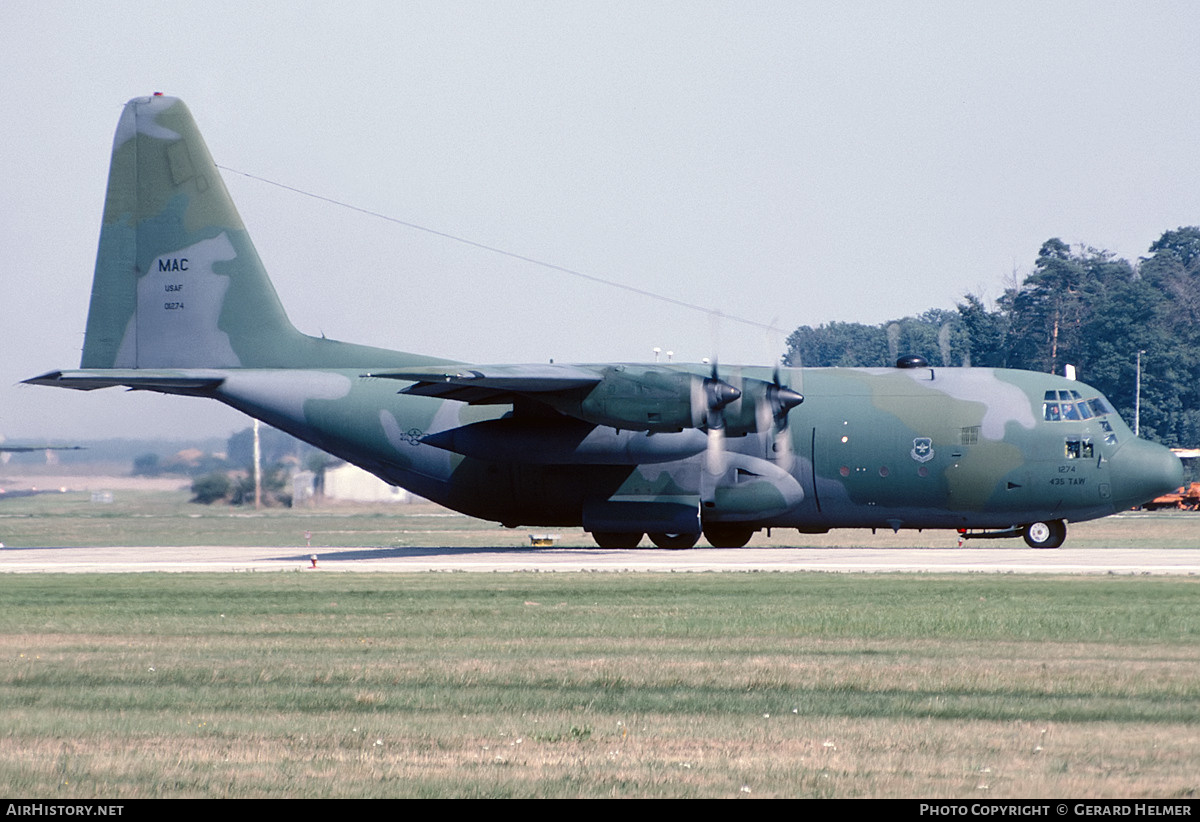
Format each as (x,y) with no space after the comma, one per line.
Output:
(922,450)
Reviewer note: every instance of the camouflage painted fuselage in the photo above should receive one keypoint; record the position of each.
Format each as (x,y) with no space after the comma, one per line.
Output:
(877,448)
(181,304)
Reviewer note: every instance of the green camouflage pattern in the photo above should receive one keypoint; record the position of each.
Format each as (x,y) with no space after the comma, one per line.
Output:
(181,304)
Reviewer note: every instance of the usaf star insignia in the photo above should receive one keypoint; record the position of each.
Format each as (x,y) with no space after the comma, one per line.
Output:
(922,450)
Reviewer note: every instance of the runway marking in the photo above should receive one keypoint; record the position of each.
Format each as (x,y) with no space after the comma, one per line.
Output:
(223,559)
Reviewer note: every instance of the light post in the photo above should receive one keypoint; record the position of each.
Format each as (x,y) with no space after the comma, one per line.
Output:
(1137,396)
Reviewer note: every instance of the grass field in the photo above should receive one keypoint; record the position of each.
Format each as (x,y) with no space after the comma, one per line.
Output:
(582,685)
(166,518)
(258,685)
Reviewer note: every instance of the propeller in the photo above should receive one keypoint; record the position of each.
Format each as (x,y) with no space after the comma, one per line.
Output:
(772,416)
(716,395)
(772,401)
(759,406)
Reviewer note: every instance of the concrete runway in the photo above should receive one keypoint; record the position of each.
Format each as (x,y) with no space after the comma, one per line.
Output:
(1018,560)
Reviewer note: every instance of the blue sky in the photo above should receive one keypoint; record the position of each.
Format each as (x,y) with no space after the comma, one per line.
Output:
(790,163)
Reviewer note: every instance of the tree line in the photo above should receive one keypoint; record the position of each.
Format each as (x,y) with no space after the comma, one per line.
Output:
(1080,306)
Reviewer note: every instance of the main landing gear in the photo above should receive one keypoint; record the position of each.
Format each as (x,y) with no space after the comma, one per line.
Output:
(616,541)
(725,535)
(675,542)
(717,535)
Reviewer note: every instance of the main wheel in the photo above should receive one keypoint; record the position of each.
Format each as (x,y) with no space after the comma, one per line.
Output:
(675,542)
(616,540)
(1045,534)
(728,535)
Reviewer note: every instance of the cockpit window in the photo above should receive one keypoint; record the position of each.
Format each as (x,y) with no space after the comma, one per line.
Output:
(1061,406)
(1070,405)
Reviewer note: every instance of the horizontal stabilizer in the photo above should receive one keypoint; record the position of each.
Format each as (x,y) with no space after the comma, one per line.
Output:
(190,382)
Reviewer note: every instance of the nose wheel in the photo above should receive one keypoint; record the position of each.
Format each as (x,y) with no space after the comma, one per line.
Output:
(1045,534)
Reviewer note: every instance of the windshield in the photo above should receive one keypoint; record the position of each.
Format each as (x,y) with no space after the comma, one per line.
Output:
(1067,405)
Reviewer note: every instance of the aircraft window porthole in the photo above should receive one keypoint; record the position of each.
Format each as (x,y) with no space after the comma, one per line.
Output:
(844,470)
(883,470)
(922,471)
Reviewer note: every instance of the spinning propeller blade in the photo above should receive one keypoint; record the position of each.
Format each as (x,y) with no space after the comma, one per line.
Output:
(717,395)
(773,417)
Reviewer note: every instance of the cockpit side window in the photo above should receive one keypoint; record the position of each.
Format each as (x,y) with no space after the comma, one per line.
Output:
(1109,437)
(1079,448)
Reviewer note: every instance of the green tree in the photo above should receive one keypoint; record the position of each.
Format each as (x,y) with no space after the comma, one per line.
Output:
(147,465)
(211,487)
(275,490)
(1079,306)
(985,334)
(849,345)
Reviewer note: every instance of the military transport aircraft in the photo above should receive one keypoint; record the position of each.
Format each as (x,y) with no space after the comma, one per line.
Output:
(6,448)
(181,304)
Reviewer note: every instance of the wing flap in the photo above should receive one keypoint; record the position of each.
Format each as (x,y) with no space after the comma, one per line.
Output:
(488,384)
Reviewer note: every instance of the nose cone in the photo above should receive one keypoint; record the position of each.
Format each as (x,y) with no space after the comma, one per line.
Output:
(1142,471)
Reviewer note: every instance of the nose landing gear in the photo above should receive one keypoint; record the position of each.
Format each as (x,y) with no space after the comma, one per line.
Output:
(1048,534)
(1045,534)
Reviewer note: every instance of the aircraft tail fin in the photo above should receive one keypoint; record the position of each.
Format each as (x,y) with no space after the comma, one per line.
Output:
(178,283)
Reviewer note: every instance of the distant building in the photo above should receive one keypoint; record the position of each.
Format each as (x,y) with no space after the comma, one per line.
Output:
(348,483)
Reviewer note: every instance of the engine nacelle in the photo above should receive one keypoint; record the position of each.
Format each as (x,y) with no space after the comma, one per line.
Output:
(650,398)
(638,398)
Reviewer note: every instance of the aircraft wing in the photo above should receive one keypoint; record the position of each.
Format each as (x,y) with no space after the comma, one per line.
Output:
(491,384)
